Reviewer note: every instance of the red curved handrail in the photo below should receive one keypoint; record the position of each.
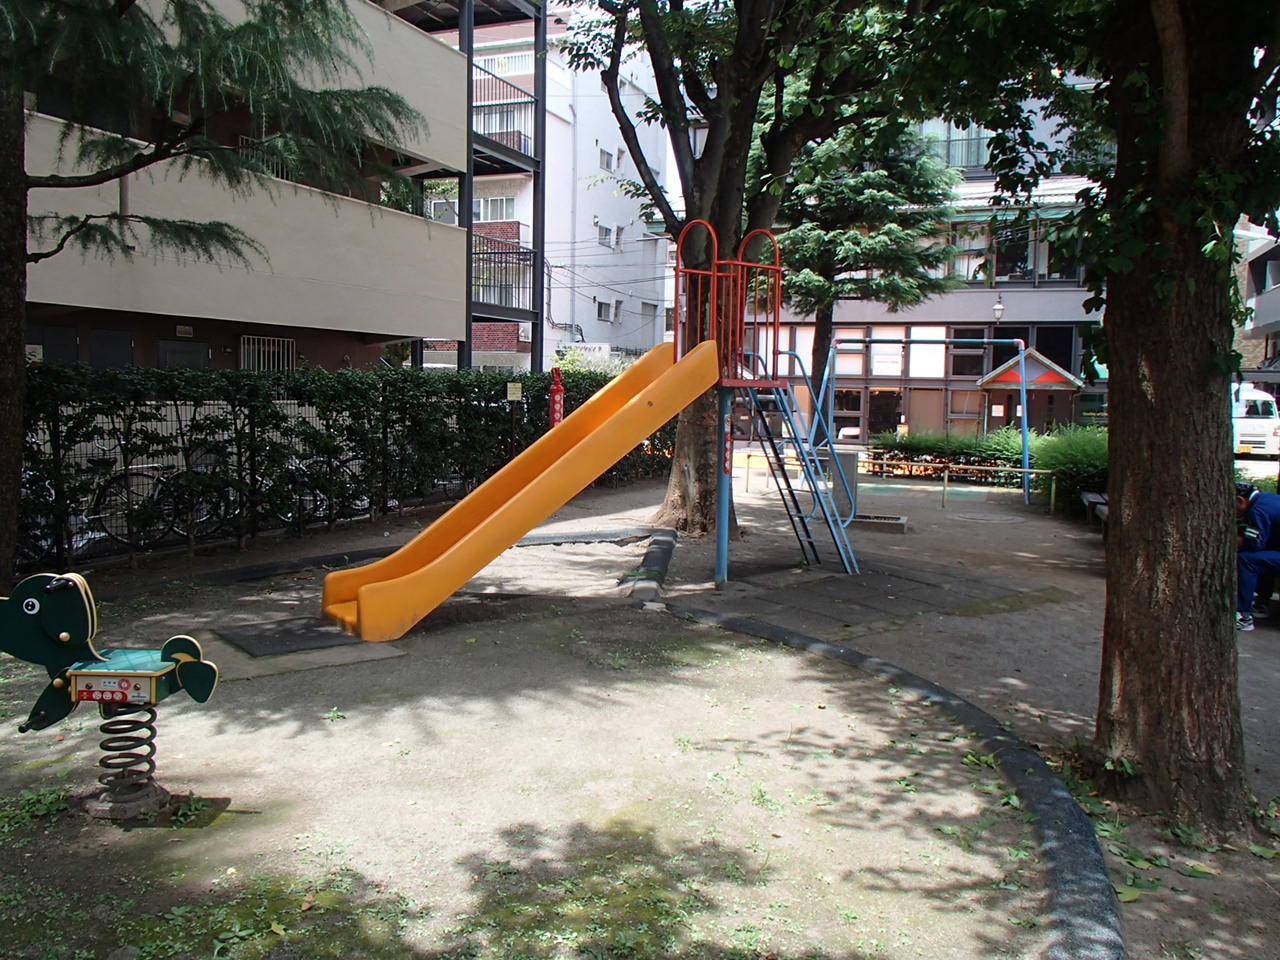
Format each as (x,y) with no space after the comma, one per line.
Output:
(714,299)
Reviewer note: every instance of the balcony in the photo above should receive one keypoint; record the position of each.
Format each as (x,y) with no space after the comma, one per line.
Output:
(335,263)
(502,117)
(501,274)
(428,73)
(968,153)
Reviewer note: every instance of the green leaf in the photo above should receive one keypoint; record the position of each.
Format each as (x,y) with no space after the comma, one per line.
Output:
(1196,869)
(1266,853)
(1127,894)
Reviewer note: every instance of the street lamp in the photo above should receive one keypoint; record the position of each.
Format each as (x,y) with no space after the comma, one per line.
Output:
(997,308)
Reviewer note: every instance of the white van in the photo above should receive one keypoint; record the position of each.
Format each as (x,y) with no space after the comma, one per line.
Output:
(1255,422)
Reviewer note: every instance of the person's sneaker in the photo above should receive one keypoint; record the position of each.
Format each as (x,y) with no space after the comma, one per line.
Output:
(1261,611)
(1244,621)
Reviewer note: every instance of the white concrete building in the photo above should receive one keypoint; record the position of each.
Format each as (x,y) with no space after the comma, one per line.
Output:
(604,272)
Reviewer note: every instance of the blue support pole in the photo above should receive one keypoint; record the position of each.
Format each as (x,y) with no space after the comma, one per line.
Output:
(724,492)
(1026,440)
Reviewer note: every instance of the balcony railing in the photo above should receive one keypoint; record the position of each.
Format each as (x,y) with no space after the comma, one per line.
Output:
(502,111)
(967,152)
(501,273)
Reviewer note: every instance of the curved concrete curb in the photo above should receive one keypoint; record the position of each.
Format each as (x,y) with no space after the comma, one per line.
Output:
(1082,903)
(647,585)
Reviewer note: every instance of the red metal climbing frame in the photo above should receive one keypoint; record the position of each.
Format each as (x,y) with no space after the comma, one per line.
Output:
(737,303)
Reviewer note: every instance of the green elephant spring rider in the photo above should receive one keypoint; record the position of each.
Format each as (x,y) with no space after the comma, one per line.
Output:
(51,620)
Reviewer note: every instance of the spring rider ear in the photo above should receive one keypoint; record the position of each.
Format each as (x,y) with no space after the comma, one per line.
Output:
(51,620)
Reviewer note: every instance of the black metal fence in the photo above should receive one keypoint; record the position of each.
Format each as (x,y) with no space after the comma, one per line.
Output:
(124,460)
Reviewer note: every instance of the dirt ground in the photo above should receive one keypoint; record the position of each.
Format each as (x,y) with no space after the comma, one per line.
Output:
(542,769)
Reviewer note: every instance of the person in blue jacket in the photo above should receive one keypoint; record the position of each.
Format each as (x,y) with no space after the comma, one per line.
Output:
(1258,556)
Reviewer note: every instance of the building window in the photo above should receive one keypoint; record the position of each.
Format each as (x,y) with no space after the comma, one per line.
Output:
(1011,248)
(604,235)
(493,209)
(1058,344)
(602,311)
(182,355)
(886,358)
(967,363)
(268,353)
(617,311)
(958,145)
(1004,352)
(606,160)
(965,403)
(444,211)
(617,237)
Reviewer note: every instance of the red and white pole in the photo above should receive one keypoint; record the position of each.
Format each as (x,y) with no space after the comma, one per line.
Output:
(557,397)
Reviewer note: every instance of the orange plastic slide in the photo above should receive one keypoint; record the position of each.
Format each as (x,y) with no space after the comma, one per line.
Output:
(385,599)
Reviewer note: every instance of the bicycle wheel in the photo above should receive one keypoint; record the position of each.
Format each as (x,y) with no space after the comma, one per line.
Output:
(129,509)
(295,497)
(199,513)
(355,477)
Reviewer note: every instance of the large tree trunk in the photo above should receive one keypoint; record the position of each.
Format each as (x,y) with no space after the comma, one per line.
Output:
(1168,701)
(690,503)
(13,298)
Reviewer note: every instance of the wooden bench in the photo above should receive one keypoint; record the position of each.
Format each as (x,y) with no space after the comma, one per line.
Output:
(1095,505)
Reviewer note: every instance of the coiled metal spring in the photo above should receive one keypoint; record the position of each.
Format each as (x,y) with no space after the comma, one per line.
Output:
(128,743)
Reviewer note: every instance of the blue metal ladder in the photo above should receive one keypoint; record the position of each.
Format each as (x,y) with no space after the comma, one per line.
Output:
(795,437)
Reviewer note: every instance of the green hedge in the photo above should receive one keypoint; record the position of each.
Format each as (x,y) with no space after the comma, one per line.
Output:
(1077,454)
(240,451)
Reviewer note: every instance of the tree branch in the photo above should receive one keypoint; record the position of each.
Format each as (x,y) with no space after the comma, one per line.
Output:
(674,110)
(66,237)
(694,88)
(609,75)
(163,150)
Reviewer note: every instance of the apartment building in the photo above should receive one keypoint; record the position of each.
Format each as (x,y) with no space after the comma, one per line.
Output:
(345,275)
(1017,282)
(602,272)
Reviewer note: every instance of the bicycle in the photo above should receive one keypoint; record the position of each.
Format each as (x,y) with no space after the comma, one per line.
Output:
(141,505)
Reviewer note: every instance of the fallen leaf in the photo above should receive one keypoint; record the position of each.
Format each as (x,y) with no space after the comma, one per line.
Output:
(1196,869)
(1127,894)
(1266,853)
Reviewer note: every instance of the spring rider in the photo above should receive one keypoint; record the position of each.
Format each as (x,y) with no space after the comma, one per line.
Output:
(50,620)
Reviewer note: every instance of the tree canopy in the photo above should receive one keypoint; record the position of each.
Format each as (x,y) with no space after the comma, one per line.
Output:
(865,220)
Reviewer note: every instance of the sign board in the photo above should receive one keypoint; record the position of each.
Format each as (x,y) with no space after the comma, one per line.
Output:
(515,392)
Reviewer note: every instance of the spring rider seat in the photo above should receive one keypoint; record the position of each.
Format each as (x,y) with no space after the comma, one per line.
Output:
(50,620)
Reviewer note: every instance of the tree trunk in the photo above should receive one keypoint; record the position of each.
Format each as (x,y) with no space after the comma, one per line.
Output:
(13,299)
(1168,702)
(823,330)
(690,503)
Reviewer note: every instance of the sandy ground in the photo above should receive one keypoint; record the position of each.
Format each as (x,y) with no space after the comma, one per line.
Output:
(561,772)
